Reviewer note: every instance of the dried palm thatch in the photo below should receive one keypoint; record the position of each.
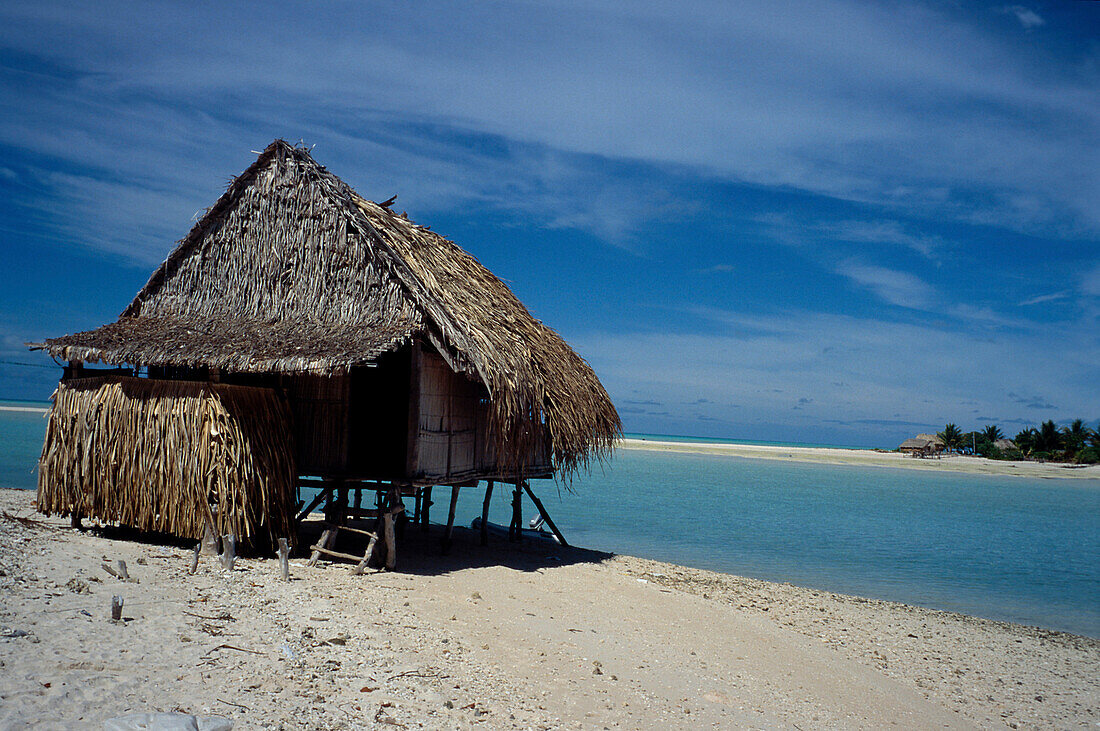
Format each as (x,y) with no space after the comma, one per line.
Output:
(221,457)
(291,271)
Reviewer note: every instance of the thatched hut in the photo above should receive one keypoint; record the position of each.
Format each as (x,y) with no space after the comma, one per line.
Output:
(317,334)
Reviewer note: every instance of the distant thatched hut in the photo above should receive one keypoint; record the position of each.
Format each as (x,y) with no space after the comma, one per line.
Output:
(913,445)
(922,445)
(316,334)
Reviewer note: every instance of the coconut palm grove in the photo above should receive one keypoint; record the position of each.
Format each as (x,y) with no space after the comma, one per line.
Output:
(1076,443)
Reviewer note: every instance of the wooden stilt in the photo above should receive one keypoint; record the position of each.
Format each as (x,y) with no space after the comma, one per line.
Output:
(417,506)
(485,513)
(426,505)
(516,528)
(391,541)
(330,504)
(450,521)
(545,515)
(341,503)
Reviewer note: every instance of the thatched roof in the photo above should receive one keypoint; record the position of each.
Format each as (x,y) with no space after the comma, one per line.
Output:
(915,443)
(292,271)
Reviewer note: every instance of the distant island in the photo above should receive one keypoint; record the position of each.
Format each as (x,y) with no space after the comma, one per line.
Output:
(1076,443)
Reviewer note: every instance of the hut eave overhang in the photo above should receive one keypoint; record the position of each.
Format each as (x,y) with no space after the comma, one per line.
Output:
(233,344)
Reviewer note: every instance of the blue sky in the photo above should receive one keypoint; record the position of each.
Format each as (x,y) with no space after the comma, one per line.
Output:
(826,221)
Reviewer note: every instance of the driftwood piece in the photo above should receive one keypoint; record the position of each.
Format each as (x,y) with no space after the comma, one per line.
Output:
(195,558)
(284,559)
(122,572)
(229,551)
(116,608)
(111,571)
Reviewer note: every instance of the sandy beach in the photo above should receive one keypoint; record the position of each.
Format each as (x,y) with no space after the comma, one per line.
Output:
(871,458)
(529,636)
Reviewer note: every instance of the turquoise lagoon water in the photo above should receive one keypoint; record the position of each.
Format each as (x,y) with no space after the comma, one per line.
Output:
(1008,548)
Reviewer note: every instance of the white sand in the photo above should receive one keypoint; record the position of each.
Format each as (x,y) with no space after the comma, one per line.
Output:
(499,637)
(27,409)
(870,458)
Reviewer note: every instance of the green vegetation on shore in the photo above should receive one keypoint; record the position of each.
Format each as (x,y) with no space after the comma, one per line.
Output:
(1076,443)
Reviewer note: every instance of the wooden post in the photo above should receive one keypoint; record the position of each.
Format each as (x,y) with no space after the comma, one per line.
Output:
(336,512)
(122,572)
(417,505)
(284,558)
(427,507)
(209,541)
(412,441)
(74,520)
(485,513)
(391,541)
(195,558)
(229,551)
(545,515)
(516,528)
(116,608)
(450,521)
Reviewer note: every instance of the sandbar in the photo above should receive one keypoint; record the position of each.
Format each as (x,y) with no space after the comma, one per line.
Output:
(870,458)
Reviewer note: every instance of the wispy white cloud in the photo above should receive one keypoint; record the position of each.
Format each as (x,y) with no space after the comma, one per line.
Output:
(1028,18)
(874,234)
(897,288)
(1053,297)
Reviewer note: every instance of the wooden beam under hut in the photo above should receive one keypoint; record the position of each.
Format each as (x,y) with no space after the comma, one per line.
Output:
(450,520)
(515,530)
(545,515)
(425,506)
(485,513)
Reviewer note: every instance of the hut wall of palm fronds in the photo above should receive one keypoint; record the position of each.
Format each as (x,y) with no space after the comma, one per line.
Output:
(170,456)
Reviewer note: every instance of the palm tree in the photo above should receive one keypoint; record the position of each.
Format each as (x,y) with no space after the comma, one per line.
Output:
(992,433)
(1025,440)
(1075,435)
(951,436)
(1048,438)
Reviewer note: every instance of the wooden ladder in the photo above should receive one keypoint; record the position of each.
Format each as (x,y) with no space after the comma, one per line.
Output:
(328,540)
(324,545)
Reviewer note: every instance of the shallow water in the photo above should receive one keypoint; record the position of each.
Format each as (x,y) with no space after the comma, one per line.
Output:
(1010,548)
